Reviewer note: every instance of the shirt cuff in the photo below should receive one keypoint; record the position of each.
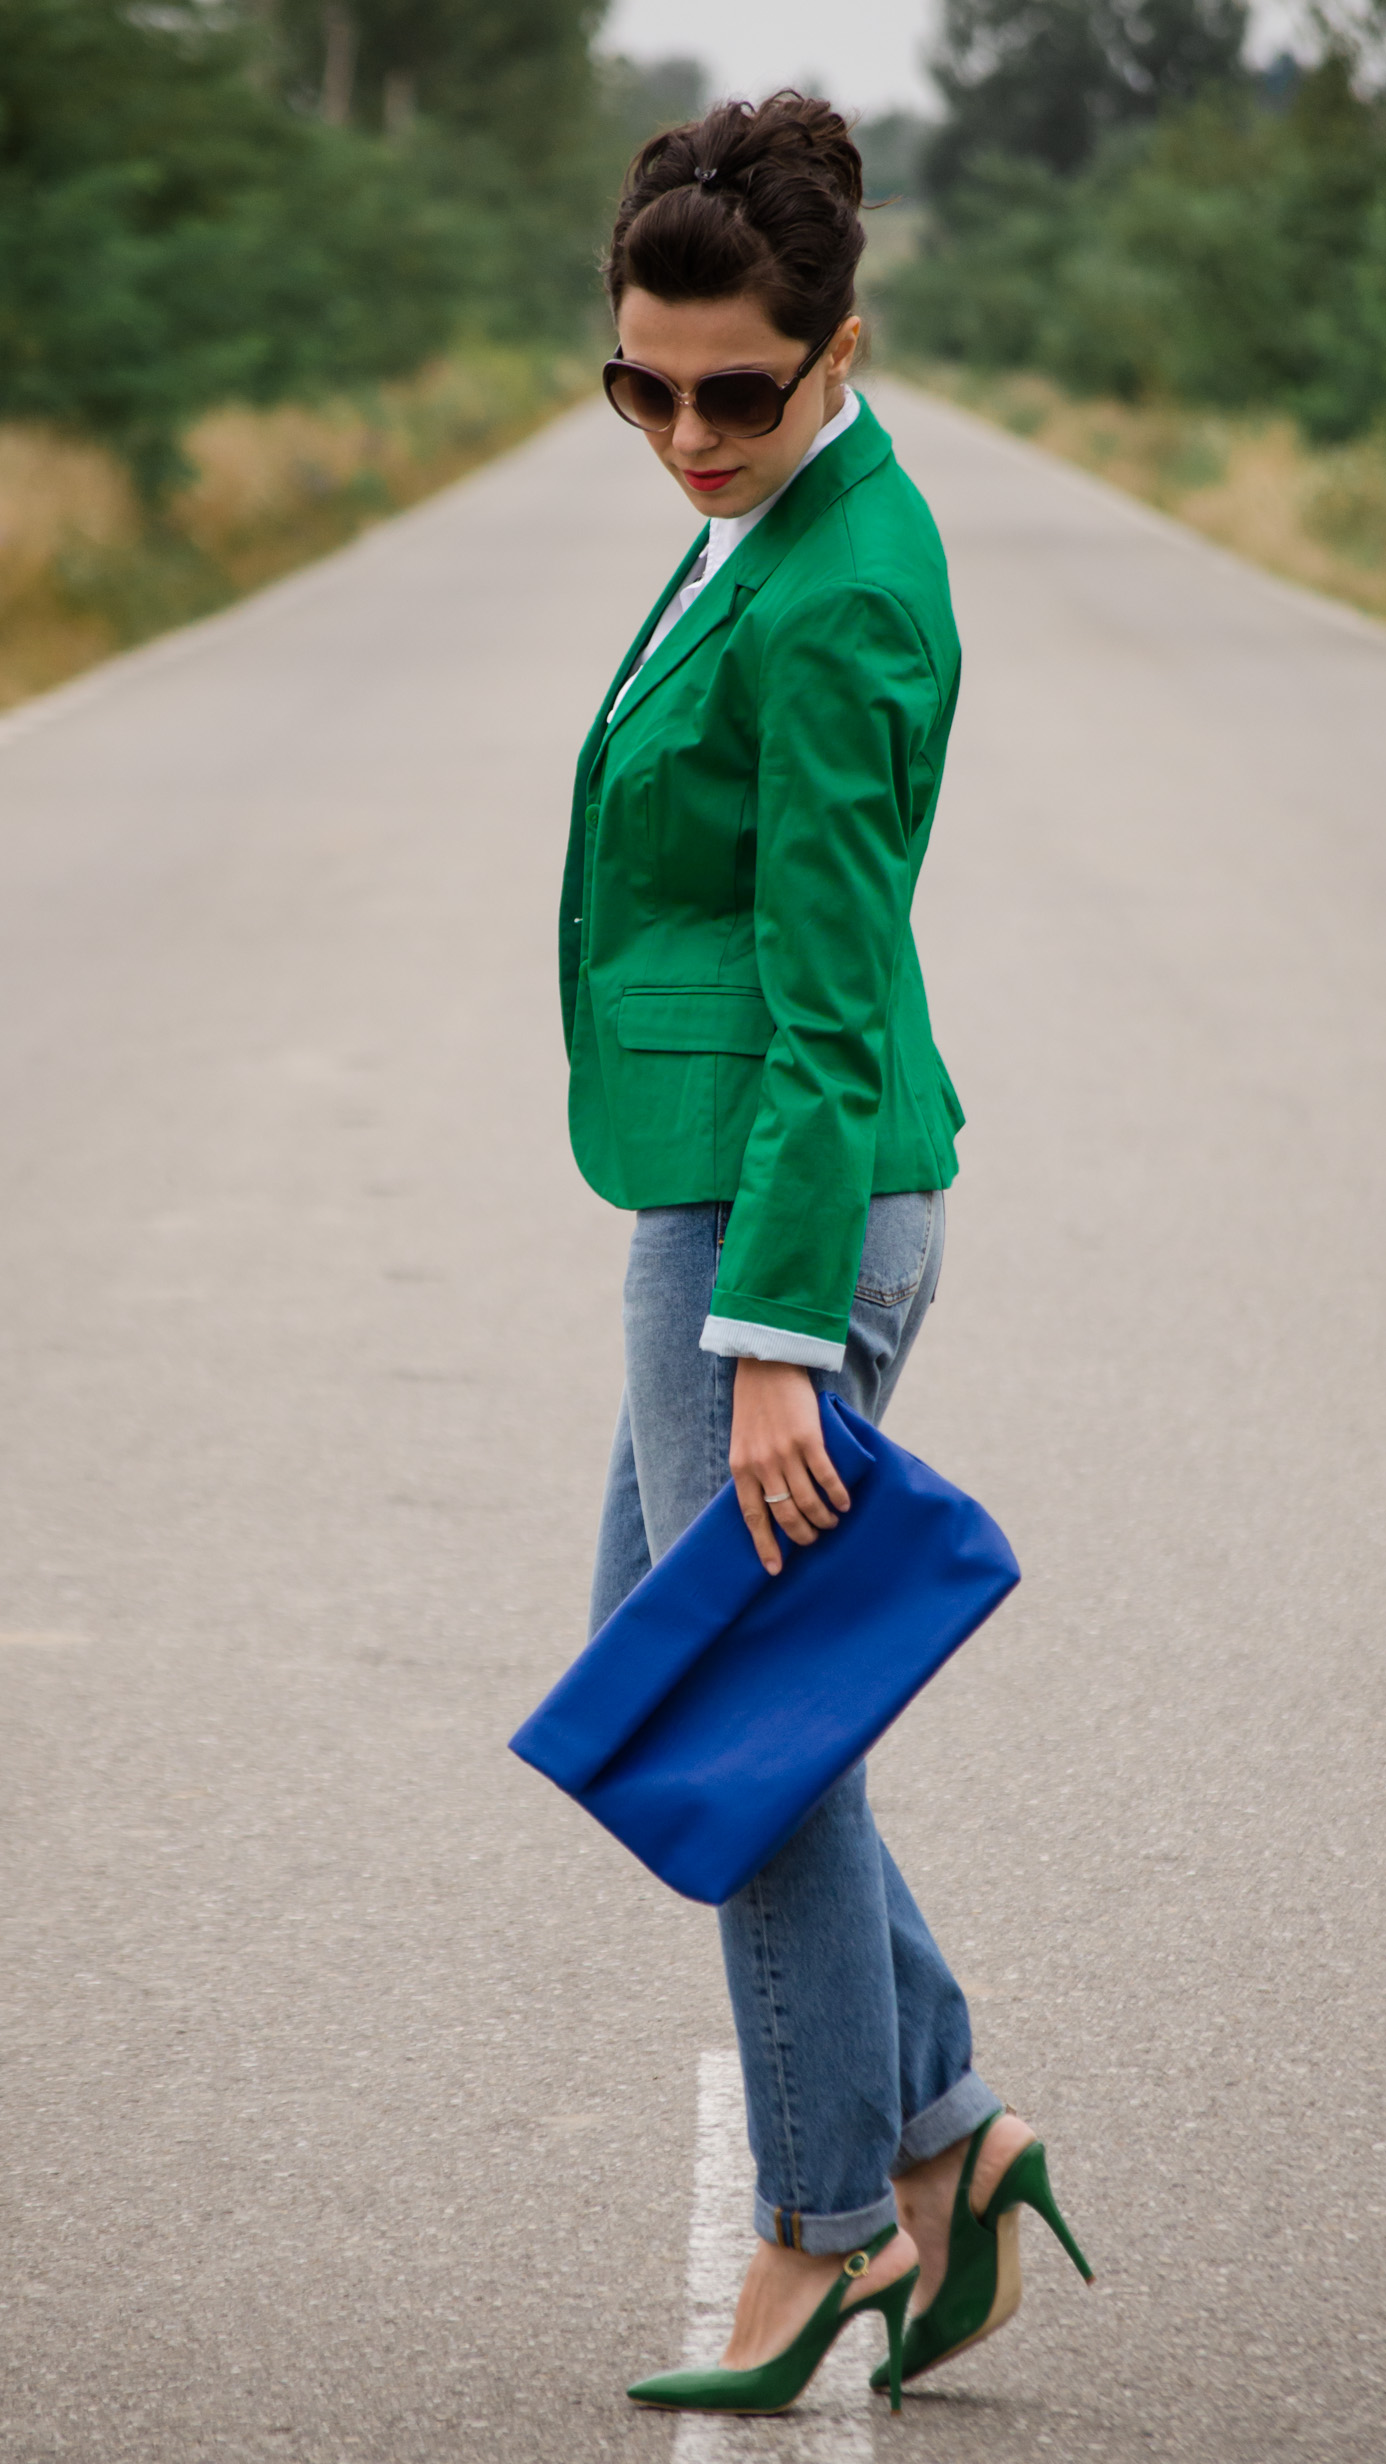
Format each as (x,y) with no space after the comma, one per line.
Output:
(743,1339)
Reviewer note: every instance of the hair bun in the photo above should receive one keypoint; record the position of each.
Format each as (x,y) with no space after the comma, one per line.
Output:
(803,133)
(759,197)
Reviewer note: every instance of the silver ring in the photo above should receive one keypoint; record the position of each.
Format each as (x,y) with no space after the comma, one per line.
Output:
(778,1499)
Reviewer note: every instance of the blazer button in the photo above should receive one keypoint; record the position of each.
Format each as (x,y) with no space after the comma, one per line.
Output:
(593,815)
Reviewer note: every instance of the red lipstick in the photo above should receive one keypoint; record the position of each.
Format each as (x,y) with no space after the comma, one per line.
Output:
(708,482)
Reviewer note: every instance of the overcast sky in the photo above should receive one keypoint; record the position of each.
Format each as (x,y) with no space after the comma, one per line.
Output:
(863,53)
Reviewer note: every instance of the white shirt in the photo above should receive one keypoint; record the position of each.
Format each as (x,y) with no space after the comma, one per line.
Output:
(724,535)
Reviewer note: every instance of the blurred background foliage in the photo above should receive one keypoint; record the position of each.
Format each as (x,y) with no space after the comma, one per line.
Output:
(271,269)
(265,200)
(1114,199)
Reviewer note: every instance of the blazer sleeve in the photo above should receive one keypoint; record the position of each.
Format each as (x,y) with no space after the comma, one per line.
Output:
(847,699)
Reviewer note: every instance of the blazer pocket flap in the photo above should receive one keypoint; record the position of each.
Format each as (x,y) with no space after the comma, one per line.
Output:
(694,1018)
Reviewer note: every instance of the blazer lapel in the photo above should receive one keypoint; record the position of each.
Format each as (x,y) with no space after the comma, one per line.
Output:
(676,581)
(853,457)
(711,606)
(863,448)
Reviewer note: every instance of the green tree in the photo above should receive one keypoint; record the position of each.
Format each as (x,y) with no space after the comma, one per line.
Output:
(641,96)
(1045,80)
(171,236)
(516,72)
(177,229)
(1229,254)
(892,149)
(502,100)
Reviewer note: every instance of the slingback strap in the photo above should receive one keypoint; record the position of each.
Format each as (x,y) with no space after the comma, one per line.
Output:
(857,2262)
(974,2150)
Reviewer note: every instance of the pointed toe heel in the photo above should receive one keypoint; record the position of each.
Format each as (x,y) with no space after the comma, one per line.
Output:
(778,2383)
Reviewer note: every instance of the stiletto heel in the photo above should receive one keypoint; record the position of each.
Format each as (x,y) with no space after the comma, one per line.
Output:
(981,2286)
(894,2306)
(776,2384)
(1026,2183)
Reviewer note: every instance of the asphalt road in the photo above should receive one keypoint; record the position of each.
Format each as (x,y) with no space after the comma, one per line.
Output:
(350,2078)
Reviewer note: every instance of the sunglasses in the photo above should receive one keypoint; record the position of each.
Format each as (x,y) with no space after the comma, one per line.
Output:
(737,402)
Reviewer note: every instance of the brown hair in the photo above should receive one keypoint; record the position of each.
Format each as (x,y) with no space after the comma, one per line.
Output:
(756,197)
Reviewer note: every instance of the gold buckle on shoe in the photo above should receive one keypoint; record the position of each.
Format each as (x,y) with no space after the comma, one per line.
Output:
(857,2264)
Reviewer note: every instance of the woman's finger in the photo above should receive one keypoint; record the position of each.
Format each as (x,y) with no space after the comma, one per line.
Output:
(811,1504)
(792,1520)
(820,1464)
(750,1496)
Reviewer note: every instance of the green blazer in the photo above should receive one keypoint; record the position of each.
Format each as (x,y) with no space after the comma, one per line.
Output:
(742,1000)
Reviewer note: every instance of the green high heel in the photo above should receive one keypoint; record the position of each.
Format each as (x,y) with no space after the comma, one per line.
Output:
(981,2289)
(776,2384)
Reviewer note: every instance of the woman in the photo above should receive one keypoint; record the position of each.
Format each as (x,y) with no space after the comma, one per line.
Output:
(753,1072)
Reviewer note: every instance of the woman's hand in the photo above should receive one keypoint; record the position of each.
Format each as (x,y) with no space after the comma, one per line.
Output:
(777,1453)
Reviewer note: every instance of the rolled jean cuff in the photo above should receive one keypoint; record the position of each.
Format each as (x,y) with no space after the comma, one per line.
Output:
(949,2118)
(823,2236)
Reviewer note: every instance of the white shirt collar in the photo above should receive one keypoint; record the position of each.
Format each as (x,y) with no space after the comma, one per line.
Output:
(725,532)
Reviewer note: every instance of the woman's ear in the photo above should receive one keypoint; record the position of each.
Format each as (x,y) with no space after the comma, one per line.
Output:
(843,349)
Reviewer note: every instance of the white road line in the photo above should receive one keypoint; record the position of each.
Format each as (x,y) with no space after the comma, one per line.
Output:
(832,2425)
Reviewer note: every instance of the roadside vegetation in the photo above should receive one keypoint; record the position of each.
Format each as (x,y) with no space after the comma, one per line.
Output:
(1315,514)
(1164,265)
(270,269)
(88,566)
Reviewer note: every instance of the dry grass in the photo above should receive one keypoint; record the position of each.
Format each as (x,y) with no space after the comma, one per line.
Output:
(1315,514)
(51,491)
(84,569)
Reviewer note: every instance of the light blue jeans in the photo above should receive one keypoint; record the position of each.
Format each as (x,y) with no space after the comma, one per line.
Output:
(856,2047)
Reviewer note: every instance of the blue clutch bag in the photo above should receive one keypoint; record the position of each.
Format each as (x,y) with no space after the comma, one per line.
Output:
(710,1714)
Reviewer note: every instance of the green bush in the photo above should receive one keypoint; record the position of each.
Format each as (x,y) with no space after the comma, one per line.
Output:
(175,231)
(126,325)
(1232,255)
(1046,80)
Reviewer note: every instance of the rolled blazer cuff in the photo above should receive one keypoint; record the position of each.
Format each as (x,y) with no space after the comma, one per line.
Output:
(743,1339)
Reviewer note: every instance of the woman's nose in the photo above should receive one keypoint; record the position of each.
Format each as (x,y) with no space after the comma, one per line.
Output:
(691,434)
